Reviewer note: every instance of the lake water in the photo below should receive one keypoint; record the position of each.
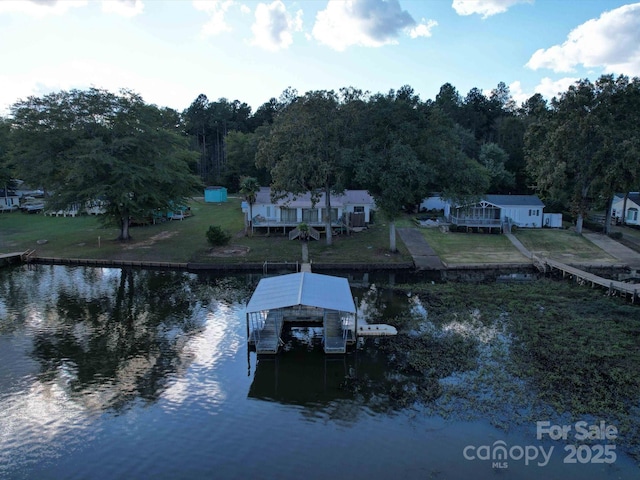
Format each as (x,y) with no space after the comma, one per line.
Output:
(109,373)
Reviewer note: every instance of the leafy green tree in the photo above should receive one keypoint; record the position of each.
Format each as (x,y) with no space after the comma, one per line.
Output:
(241,158)
(493,158)
(393,154)
(6,176)
(449,101)
(305,150)
(393,176)
(249,188)
(208,123)
(95,145)
(586,148)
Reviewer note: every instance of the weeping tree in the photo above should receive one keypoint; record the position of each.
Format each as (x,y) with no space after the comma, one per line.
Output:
(94,145)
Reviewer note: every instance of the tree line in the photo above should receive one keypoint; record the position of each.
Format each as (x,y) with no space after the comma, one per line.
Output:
(574,151)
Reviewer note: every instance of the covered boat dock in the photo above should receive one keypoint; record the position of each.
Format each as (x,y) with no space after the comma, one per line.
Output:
(301,298)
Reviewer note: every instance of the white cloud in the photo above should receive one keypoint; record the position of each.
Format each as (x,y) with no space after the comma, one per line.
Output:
(611,42)
(423,29)
(554,88)
(40,8)
(518,95)
(125,8)
(368,23)
(274,26)
(217,10)
(486,8)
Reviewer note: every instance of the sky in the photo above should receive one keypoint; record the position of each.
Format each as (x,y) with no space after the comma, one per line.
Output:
(169,52)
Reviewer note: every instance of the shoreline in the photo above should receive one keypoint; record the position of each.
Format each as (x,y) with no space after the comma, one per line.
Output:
(446,271)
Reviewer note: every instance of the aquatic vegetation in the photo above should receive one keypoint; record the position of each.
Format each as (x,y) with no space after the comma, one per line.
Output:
(513,353)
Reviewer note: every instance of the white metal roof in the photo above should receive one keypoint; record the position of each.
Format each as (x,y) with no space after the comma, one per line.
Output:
(310,289)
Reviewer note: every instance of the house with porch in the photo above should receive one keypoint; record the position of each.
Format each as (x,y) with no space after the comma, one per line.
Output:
(500,212)
(350,210)
(628,212)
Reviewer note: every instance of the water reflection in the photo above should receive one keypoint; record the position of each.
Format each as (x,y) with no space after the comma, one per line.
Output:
(78,342)
(118,344)
(144,373)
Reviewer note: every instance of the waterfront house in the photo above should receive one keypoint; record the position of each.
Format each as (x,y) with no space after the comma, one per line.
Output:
(351,209)
(628,212)
(501,212)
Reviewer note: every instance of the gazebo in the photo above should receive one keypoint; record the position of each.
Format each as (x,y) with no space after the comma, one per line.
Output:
(302,298)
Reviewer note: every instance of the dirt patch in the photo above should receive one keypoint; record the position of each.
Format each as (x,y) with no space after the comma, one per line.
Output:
(229,251)
(151,241)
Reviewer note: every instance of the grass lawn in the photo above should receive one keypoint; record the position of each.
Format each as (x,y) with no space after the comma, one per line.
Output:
(185,241)
(472,248)
(562,245)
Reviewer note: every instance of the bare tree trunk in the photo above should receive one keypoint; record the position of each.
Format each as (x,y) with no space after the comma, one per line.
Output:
(579,222)
(392,236)
(124,226)
(624,208)
(607,217)
(327,215)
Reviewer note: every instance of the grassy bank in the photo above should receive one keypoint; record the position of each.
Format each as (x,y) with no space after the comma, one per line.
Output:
(468,248)
(185,241)
(562,245)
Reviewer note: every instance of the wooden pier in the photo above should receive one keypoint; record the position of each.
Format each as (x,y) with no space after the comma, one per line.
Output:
(623,289)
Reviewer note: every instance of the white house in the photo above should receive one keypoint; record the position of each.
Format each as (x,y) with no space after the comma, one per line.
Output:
(353,208)
(500,211)
(9,200)
(630,214)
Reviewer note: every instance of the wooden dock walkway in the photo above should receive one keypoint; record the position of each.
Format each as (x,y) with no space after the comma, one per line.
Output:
(580,276)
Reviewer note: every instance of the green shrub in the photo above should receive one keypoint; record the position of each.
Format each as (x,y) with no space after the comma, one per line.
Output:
(217,236)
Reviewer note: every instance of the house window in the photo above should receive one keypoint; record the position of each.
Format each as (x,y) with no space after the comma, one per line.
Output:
(289,215)
(534,213)
(358,209)
(632,215)
(334,214)
(310,215)
(268,212)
